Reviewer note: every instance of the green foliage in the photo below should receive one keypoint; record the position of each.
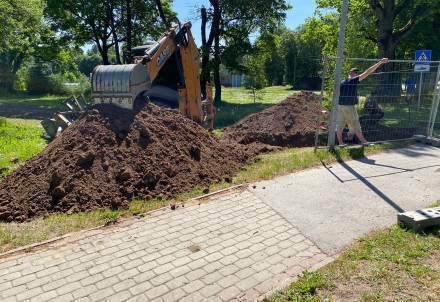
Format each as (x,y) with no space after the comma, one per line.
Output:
(86,63)
(105,22)
(22,30)
(255,77)
(304,289)
(426,35)
(274,69)
(308,283)
(20,24)
(110,216)
(302,59)
(42,80)
(395,21)
(39,80)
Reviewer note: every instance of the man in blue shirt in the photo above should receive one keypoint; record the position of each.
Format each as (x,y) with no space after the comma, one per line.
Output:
(347,114)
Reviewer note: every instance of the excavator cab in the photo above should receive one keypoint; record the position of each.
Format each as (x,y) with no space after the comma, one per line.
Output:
(167,72)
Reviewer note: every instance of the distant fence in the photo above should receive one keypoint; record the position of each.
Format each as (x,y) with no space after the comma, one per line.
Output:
(395,102)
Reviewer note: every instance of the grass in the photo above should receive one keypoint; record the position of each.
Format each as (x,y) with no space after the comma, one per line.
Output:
(387,265)
(22,100)
(20,140)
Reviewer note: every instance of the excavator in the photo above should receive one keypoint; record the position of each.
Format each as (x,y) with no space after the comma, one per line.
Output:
(166,72)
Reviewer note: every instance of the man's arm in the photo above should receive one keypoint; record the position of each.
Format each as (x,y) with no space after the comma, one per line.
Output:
(373,68)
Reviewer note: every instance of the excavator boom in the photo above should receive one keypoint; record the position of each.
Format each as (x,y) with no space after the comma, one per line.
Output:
(121,85)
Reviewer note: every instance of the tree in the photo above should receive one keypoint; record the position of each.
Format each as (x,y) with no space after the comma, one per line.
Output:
(405,14)
(426,35)
(21,28)
(274,69)
(302,59)
(374,28)
(86,63)
(231,24)
(255,78)
(106,24)
(289,52)
(268,46)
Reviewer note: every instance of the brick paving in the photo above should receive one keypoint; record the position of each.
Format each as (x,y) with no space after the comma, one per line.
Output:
(231,248)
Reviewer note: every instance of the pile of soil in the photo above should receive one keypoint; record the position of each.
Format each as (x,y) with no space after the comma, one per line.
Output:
(291,123)
(109,157)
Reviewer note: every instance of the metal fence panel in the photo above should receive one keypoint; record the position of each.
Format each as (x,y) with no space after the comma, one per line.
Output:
(394,103)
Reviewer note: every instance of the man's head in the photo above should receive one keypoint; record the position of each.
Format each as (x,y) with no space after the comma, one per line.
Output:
(353,72)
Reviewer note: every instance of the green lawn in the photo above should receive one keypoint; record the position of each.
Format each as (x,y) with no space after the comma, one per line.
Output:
(22,100)
(20,140)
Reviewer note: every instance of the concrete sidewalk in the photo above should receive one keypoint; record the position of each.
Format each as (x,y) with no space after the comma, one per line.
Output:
(233,246)
(334,205)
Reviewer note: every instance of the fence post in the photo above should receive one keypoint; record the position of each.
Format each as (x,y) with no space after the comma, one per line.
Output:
(294,74)
(324,74)
(435,103)
(420,89)
(335,100)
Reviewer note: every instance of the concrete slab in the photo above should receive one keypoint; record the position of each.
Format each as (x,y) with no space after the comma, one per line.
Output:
(419,220)
(335,204)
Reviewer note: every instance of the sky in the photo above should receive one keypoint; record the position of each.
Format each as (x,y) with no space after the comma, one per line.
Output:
(186,12)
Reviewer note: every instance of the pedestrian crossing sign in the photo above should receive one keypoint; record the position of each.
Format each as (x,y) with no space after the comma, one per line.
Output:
(422,60)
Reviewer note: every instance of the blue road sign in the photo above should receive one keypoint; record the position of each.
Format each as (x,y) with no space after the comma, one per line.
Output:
(423,58)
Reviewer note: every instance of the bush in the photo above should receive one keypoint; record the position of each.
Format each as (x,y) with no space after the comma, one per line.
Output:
(41,81)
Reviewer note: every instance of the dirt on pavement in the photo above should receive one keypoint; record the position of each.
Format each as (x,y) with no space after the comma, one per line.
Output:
(110,156)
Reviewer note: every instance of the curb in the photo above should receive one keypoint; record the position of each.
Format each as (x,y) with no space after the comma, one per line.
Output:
(119,222)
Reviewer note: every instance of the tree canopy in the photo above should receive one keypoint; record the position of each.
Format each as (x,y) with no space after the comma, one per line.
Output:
(374,28)
(109,23)
(21,29)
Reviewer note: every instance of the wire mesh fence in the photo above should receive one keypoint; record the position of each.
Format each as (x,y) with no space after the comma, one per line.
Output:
(393,103)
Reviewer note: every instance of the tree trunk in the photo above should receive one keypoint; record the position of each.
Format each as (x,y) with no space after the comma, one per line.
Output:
(104,54)
(118,55)
(10,63)
(128,29)
(215,37)
(217,83)
(206,50)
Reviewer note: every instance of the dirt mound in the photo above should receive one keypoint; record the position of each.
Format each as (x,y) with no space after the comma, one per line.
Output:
(291,123)
(111,156)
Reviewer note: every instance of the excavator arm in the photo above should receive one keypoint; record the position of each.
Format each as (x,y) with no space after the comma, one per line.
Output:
(123,84)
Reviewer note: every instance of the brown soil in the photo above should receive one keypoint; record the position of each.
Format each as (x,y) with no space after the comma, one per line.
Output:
(109,157)
(291,123)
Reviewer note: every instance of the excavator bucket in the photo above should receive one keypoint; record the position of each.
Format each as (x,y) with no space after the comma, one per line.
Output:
(119,84)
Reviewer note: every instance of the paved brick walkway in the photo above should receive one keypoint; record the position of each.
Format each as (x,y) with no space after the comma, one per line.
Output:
(231,248)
